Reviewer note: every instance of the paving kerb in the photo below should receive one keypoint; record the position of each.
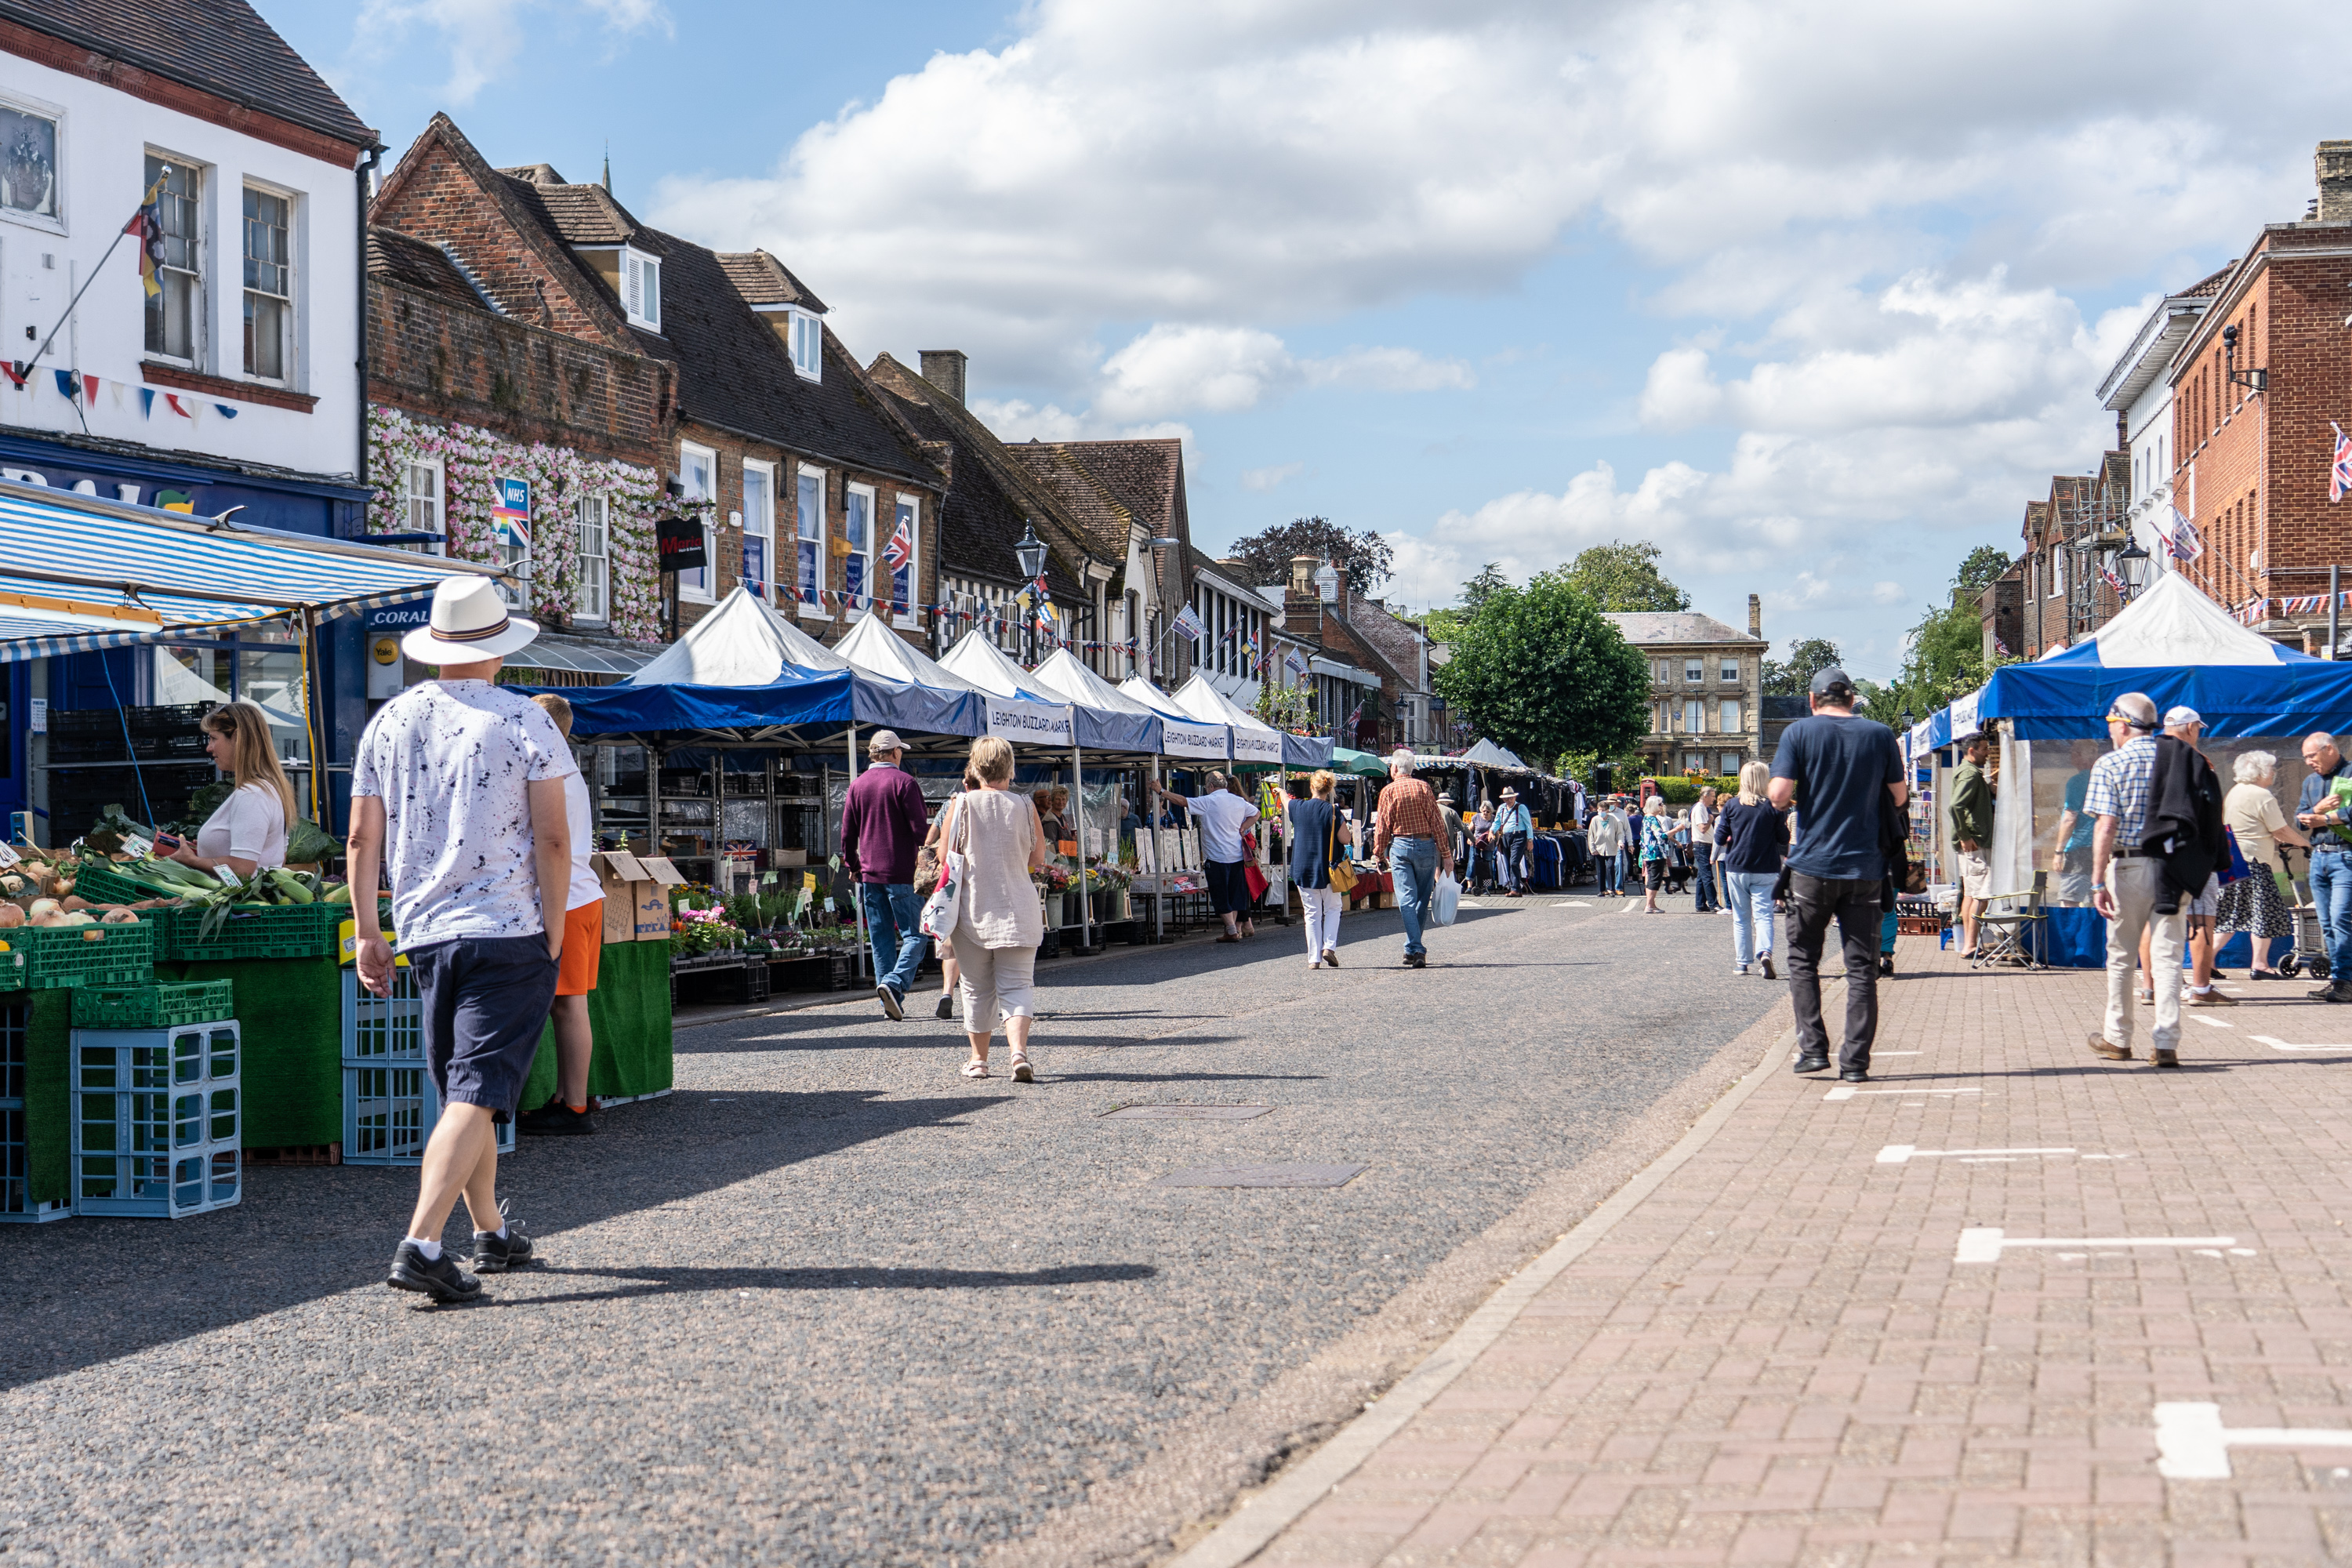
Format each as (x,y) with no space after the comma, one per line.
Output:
(1778,1355)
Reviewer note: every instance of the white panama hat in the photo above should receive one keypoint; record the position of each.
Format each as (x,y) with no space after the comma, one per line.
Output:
(469,624)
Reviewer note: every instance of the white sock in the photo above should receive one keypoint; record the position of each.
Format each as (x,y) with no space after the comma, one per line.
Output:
(500,1233)
(432,1249)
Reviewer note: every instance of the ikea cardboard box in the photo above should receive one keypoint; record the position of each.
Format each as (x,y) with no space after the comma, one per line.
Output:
(653,901)
(624,882)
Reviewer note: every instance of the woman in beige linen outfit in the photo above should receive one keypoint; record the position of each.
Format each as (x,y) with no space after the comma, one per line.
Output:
(2253,903)
(999,921)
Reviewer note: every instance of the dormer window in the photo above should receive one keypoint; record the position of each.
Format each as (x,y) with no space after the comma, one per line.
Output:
(806,341)
(641,288)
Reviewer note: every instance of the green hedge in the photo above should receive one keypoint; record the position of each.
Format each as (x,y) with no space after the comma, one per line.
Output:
(1685,792)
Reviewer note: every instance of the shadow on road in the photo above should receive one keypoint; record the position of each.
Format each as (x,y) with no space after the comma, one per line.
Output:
(664,1281)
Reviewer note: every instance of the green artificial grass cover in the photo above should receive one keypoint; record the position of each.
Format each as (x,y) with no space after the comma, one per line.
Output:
(629,1011)
(289,1012)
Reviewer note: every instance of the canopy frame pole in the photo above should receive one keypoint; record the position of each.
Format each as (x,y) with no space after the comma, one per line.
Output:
(1078,799)
(857,894)
(2334,592)
(1159,871)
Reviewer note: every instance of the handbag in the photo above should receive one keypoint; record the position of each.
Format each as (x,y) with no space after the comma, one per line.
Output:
(927,860)
(1341,873)
(941,909)
(1445,901)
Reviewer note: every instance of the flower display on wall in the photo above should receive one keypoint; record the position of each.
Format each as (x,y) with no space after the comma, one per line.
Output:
(472,462)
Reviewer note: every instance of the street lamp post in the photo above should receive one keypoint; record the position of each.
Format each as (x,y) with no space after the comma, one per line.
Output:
(1030,552)
(2132,563)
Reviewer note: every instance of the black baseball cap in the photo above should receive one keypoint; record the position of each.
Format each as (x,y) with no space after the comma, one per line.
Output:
(1830,680)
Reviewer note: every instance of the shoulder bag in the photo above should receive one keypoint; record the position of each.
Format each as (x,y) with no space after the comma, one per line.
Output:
(1341,874)
(941,909)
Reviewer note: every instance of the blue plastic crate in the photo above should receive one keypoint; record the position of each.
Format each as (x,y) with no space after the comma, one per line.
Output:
(158,1121)
(16,1203)
(389,1106)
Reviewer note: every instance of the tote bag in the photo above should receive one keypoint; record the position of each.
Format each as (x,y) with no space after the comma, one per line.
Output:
(1445,901)
(946,902)
(1341,874)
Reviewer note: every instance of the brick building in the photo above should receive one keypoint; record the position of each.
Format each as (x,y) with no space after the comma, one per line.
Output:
(1706,688)
(2255,391)
(1124,495)
(1373,663)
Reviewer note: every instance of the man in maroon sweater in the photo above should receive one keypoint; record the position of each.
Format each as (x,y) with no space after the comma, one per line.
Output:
(882,826)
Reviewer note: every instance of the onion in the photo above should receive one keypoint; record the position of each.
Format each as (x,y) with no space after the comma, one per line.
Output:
(73,902)
(40,906)
(118,917)
(11,917)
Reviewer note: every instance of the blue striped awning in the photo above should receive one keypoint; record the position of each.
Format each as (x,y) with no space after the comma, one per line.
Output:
(79,571)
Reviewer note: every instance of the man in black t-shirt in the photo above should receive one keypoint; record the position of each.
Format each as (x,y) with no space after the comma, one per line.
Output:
(1840,771)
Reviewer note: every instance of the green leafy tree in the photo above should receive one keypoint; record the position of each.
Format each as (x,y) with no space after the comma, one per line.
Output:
(1807,655)
(1364,559)
(1946,658)
(1540,672)
(1980,570)
(1620,576)
(1446,625)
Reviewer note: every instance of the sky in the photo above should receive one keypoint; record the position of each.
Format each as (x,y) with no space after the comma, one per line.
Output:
(1813,294)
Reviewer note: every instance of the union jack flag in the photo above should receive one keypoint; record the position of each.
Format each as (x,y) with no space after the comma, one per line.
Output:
(2339,475)
(2185,544)
(899,554)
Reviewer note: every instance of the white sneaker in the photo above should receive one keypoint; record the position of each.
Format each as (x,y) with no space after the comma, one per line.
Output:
(1739,969)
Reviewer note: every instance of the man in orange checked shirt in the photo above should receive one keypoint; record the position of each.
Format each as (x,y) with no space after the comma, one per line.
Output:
(1411,838)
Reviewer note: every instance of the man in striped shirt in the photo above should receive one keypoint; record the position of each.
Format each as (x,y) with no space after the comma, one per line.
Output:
(1412,837)
(2124,882)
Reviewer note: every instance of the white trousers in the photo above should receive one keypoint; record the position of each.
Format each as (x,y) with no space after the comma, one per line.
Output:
(990,980)
(1323,906)
(2132,885)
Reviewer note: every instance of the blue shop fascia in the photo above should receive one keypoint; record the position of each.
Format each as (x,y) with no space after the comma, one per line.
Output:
(263,665)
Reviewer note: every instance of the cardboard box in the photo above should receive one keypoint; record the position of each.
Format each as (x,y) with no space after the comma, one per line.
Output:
(624,882)
(653,901)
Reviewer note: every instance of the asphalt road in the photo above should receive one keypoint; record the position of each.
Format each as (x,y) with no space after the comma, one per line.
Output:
(830,1302)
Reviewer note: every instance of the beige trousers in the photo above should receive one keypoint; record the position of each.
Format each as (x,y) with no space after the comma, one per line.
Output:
(2133,884)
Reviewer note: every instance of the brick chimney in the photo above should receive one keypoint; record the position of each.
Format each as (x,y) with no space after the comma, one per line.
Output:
(1755,616)
(944,368)
(2333,164)
(1302,603)
(1239,569)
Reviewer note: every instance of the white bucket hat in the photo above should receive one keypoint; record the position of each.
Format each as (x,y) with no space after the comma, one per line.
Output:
(469,624)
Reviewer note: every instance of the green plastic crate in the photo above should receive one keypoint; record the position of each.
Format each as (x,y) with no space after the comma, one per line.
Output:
(102,884)
(279,931)
(161,1006)
(46,958)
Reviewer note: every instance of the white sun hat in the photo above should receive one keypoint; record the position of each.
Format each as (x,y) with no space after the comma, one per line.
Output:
(469,624)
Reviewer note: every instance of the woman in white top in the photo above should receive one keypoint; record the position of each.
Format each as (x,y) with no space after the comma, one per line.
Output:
(999,920)
(249,829)
(2257,903)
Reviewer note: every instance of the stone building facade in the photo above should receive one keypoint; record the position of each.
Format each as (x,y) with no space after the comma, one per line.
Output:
(1706,688)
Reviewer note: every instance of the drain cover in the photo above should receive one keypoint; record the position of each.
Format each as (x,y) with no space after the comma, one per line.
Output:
(1263,1177)
(1185,1112)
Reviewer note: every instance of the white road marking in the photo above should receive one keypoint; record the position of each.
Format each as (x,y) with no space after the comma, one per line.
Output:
(1984,1244)
(1847,1091)
(2282,1046)
(1876,1055)
(2191,1444)
(1897,1153)
(2211,1023)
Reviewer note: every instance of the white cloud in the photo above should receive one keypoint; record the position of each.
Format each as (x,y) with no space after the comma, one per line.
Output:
(1170,369)
(484,38)
(1267,479)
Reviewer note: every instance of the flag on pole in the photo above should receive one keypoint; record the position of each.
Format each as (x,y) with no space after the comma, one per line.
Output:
(2185,544)
(1294,664)
(899,554)
(1187,621)
(2339,475)
(146,226)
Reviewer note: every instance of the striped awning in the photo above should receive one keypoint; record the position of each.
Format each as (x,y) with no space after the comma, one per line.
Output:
(78,571)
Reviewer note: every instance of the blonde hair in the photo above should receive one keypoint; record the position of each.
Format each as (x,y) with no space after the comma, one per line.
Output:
(991,759)
(557,710)
(1754,780)
(1654,807)
(1323,783)
(253,758)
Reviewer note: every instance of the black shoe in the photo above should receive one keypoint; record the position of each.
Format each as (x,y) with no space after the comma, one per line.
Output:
(1854,1075)
(890,1003)
(496,1253)
(556,1120)
(946,1009)
(442,1279)
(2333,991)
(1416,961)
(1886,964)
(1811,1063)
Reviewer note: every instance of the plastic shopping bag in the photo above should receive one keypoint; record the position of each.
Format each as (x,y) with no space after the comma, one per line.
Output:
(1445,901)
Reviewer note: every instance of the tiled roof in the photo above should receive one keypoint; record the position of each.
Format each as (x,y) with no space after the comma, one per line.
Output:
(1386,636)
(1110,485)
(1666,627)
(578,215)
(222,47)
(762,280)
(2205,287)
(420,264)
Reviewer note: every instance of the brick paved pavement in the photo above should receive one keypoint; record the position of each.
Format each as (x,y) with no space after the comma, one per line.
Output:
(1775,1357)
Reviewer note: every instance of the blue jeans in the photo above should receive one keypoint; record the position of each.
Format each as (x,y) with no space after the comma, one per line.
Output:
(1415,861)
(894,917)
(1751,915)
(2331,890)
(1605,868)
(1703,883)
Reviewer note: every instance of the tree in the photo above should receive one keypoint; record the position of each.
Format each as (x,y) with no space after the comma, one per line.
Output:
(1980,570)
(1539,671)
(1444,626)
(1946,657)
(1363,559)
(1806,657)
(1620,576)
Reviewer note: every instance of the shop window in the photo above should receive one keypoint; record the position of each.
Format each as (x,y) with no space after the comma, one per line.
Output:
(759,525)
(268,284)
(594,553)
(857,532)
(175,312)
(810,582)
(28,163)
(698,473)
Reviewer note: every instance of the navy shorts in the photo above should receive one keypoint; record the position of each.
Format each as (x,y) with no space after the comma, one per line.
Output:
(486,1001)
(1229,892)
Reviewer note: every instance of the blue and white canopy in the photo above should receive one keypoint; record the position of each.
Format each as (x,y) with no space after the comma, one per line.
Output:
(78,572)
(2182,649)
(1181,734)
(1017,710)
(1256,743)
(1117,722)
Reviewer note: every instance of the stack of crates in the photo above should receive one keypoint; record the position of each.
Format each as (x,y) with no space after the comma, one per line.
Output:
(157,1122)
(16,1201)
(389,1106)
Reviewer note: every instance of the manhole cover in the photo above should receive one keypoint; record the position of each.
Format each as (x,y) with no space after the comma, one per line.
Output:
(1185,1112)
(1263,1177)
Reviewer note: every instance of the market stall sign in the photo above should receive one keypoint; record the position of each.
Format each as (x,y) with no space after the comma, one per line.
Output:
(1011,718)
(1257,746)
(1180,739)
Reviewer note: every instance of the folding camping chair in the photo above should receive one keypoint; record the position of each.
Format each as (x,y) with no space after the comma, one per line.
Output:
(2019,934)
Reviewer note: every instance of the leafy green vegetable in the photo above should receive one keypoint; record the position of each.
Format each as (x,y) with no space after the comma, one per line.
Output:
(306,842)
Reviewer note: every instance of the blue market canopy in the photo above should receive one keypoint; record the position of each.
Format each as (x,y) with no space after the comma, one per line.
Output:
(78,572)
(1017,710)
(1256,743)
(1108,719)
(1181,734)
(2181,649)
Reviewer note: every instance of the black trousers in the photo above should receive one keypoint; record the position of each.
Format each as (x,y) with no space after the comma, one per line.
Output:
(1853,903)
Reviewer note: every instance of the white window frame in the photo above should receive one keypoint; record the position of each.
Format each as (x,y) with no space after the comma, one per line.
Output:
(1728,671)
(200,322)
(640,287)
(823,539)
(804,342)
(290,349)
(1693,708)
(851,495)
(1727,716)
(1693,672)
(54,114)
(759,523)
(696,588)
(912,617)
(1728,763)
(440,502)
(600,559)
(2057,571)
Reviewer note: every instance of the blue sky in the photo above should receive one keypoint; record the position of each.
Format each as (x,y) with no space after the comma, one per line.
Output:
(1814,295)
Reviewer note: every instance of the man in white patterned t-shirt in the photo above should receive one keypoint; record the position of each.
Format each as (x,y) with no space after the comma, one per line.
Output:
(457,789)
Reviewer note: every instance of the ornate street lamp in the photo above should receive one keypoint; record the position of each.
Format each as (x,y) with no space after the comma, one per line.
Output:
(2132,564)
(1030,552)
